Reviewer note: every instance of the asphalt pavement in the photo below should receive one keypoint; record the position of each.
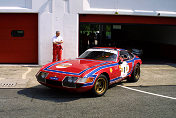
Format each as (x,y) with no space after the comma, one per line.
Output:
(21,96)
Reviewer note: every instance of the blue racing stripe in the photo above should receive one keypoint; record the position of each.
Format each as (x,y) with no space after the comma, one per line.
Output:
(99,68)
(70,73)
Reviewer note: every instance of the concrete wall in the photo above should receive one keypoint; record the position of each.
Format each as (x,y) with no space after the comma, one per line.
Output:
(133,7)
(63,15)
(67,21)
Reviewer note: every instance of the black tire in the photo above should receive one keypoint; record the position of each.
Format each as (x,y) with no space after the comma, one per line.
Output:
(100,86)
(135,74)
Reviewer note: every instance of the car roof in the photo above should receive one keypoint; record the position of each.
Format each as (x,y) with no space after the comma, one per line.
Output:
(108,48)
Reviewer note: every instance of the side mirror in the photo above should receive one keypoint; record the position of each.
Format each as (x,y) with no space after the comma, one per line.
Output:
(120,60)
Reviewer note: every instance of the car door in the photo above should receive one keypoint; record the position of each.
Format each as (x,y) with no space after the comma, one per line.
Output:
(127,64)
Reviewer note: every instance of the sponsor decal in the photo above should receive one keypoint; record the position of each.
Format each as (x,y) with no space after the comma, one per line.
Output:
(110,70)
(124,67)
(63,65)
(53,78)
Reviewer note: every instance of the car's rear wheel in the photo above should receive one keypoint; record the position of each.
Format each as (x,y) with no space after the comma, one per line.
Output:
(100,87)
(135,75)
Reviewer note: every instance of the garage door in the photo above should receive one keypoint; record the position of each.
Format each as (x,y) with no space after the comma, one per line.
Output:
(18,38)
(156,36)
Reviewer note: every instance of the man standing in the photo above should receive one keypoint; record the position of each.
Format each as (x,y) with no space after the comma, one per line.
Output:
(57,47)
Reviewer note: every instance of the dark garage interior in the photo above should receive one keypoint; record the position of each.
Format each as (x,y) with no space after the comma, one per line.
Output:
(156,41)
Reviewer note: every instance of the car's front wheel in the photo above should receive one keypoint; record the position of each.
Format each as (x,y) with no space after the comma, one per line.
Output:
(100,86)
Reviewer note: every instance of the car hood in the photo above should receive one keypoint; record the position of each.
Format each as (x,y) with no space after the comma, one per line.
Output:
(73,67)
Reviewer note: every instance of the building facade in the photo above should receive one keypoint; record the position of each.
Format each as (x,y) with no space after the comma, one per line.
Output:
(27,27)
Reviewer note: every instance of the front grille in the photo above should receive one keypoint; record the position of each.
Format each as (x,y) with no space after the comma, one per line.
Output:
(58,83)
(52,82)
(47,81)
(79,85)
(69,84)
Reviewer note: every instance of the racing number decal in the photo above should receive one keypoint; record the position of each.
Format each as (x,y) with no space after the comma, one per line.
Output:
(124,67)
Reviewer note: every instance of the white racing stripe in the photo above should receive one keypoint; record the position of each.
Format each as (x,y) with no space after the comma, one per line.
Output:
(104,50)
(24,74)
(163,96)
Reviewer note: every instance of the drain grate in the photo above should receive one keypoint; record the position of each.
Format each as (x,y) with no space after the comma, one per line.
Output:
(8,84)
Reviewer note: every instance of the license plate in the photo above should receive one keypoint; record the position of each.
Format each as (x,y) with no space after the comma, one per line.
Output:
(53,78)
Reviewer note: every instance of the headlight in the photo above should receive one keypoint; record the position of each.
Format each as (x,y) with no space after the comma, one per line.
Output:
(85,80)
(70,81)
(43,74)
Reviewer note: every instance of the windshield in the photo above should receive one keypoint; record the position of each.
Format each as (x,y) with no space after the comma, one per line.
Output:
(100,54)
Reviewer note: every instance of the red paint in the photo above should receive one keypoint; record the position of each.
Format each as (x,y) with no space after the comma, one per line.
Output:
(85,68)
(127,19)
(76,65)
(19,49)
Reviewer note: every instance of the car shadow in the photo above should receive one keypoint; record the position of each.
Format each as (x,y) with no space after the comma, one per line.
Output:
(121,83)
(115,84)
(41,92)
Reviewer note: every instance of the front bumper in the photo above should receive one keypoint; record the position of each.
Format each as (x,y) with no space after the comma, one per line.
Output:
(59,84)
(56,83)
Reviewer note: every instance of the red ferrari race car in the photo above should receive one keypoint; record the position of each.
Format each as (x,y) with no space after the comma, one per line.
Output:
(94,70)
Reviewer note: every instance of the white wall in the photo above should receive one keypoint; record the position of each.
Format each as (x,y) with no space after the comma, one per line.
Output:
(15,4)
(67,21)
(63,15)
(132,7)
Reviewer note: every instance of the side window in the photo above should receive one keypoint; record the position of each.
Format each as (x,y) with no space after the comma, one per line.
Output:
(130,55)
(125,55)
